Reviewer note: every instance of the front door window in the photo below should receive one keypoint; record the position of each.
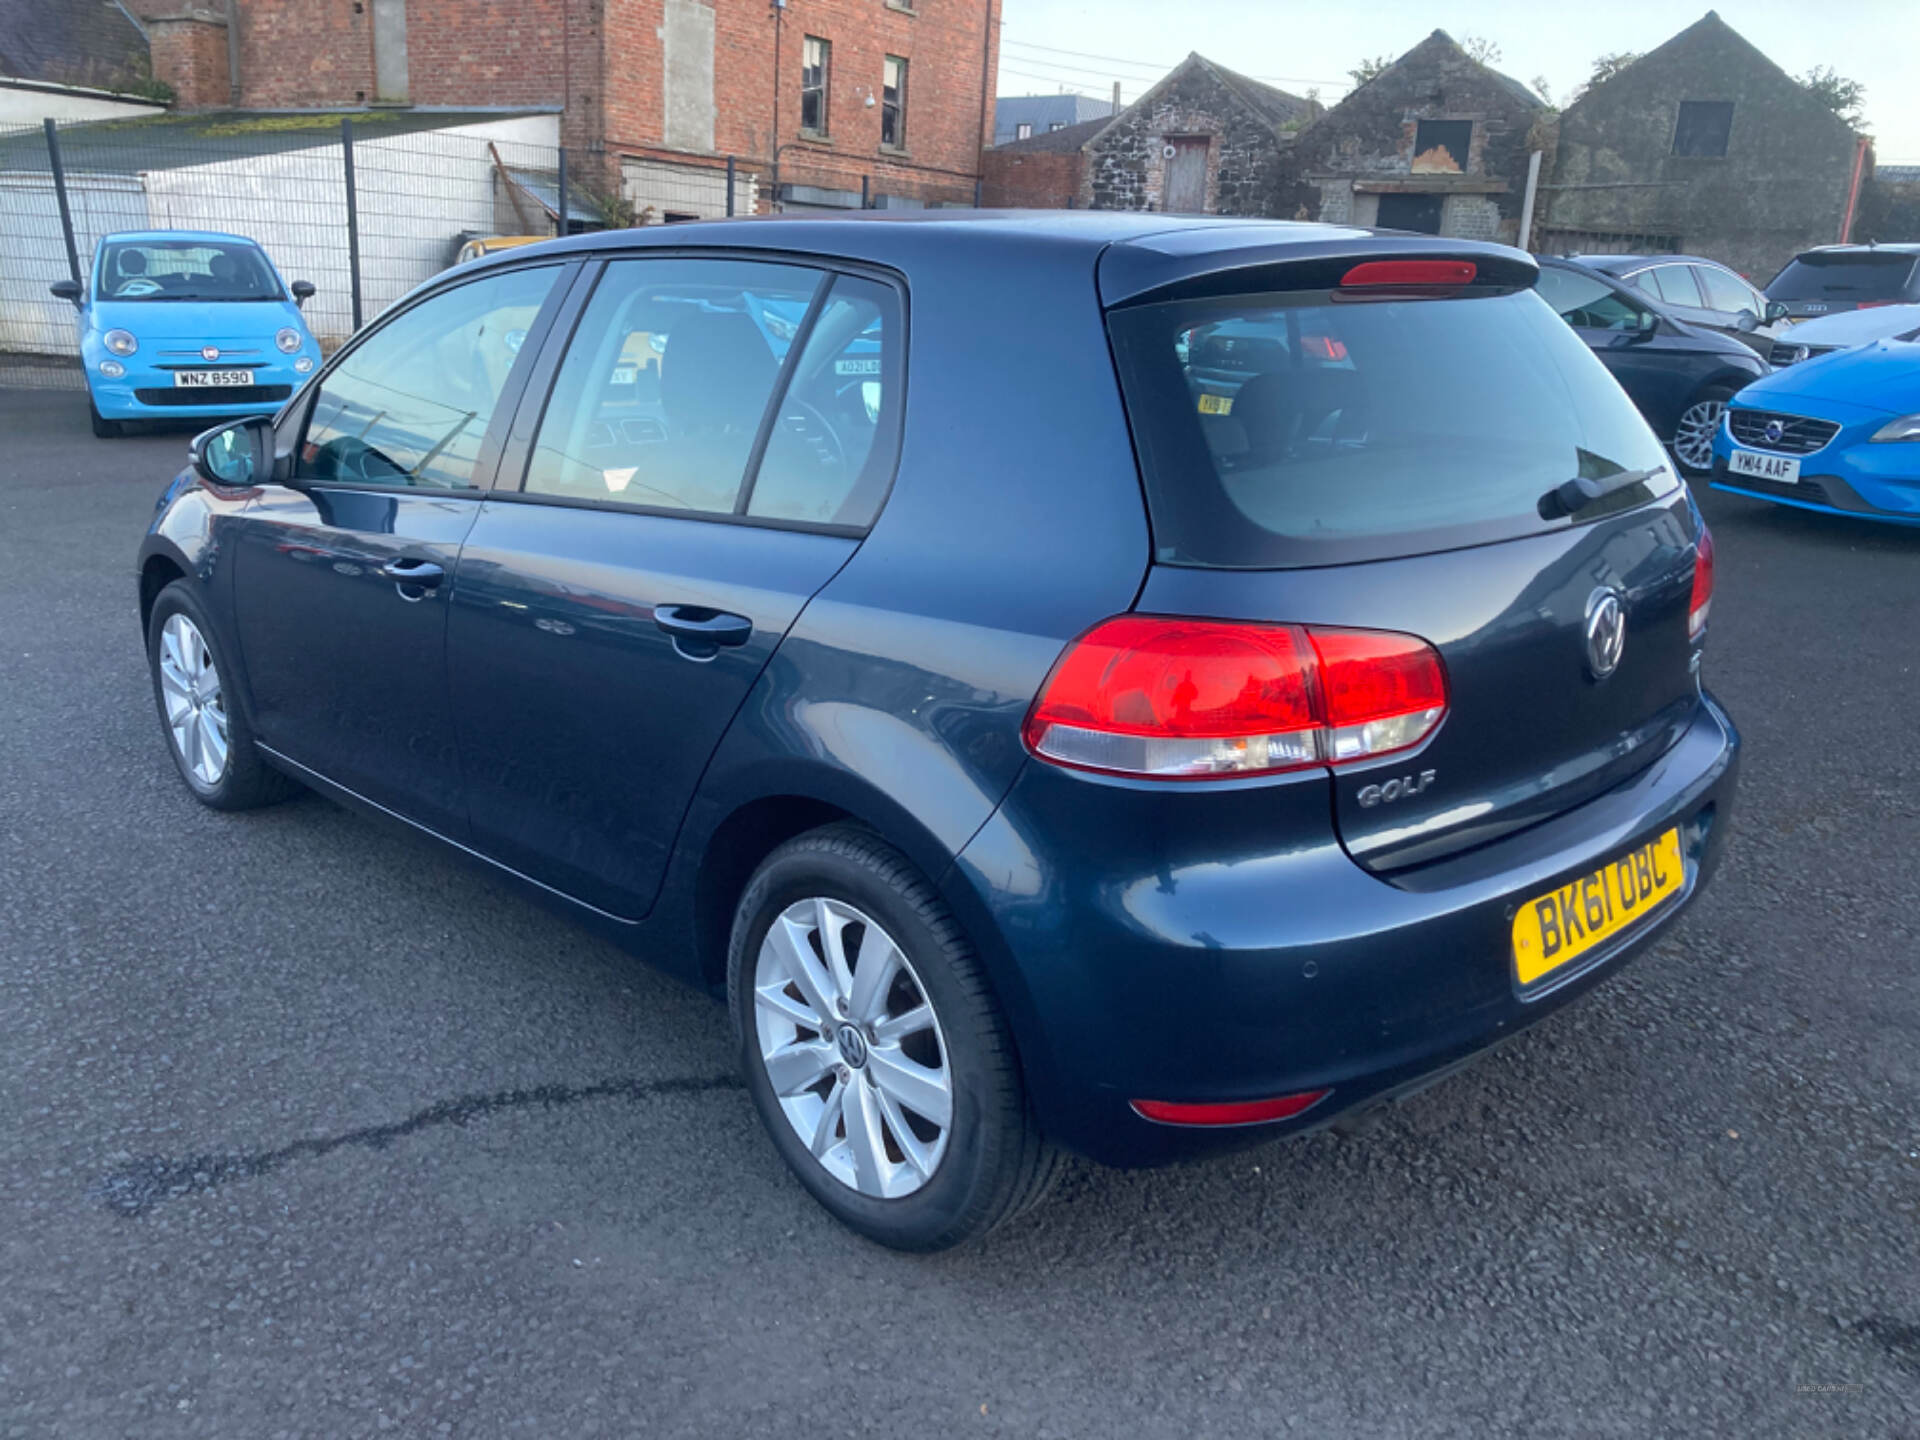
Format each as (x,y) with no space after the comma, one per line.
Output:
(410,405)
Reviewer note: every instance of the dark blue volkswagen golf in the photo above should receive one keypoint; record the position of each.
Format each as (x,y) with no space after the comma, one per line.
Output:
(1101,683)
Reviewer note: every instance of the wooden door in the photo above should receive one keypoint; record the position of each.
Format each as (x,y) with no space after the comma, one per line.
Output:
(1186,188)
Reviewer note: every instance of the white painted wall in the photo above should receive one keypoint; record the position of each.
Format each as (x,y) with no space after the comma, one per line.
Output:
(34,255)
(22,106)
(416,192)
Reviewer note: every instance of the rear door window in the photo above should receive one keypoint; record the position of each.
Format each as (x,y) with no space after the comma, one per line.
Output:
(830,456)
(664,387)
(1675,285)
(1848,277)
(1308,428)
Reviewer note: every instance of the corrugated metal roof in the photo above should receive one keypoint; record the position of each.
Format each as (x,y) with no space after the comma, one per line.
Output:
(544,187)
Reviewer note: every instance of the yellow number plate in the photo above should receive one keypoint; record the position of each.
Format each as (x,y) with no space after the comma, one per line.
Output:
(1554,929)
(1216,404)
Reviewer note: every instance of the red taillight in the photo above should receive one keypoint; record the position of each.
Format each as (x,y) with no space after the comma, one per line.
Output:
(1702,600)
(1174,698)
(1873,304)
(1240,1112)
(1409,272)
(1382,691)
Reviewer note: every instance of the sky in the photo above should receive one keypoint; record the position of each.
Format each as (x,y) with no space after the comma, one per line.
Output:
(1085,45)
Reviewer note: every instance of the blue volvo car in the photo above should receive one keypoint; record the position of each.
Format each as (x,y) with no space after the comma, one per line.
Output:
(1839,433)
(1038,756)
(182,323)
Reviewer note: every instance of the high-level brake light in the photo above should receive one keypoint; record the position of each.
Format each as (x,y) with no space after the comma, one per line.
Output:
(1396,273)
(1172,698)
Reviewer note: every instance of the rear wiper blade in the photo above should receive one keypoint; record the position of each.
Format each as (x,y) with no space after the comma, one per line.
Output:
(1571,496)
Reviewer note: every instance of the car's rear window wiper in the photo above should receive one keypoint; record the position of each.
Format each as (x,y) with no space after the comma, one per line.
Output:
(1572,496)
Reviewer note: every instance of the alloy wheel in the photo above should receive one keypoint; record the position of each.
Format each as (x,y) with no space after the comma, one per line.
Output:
(196,704)
(852,1048)
(1693,436)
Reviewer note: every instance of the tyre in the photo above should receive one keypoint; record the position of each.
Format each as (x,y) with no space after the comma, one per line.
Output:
(207,732)
(103,428)
(874,1049)
(1693,434)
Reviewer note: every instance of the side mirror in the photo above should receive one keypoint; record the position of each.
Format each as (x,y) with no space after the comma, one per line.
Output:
(68,290)
(236,455)
(1776,310)
(1746,322)
(1648,327)
(302,291)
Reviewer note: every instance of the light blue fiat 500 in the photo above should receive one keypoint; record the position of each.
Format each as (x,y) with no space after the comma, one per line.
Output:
(188,323)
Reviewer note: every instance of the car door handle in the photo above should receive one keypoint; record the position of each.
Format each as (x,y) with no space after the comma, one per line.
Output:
(411,574)
(698,631)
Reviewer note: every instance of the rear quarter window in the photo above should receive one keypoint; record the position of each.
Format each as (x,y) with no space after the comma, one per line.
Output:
(1351,429)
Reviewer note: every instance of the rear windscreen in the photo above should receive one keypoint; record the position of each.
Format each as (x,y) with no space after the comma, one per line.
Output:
(1297,428)
(1844,277)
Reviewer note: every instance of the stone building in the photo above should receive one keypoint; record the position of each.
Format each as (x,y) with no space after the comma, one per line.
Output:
(1436,142)
(1703,146)
(818,102)
(1202,140)
(1890,206)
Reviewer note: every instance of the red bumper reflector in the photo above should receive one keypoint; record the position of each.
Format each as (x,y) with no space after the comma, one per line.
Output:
(1410,272)
(1238,1112)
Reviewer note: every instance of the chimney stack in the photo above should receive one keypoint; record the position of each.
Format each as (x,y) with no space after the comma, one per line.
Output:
(187,40)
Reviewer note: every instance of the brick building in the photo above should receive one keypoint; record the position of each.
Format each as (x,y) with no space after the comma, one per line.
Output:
(1436,142)
(811,96)
(1044,171)
(1703,145)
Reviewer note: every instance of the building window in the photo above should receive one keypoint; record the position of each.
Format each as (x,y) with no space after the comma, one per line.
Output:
(1411,212)
(1023,131)
(1441,146)
(816,66)
(893,103)
(1056,125)
(1704,127)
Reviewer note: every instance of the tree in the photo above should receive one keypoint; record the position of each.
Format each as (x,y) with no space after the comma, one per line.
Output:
(1842,96)
(1543,90)
(1604,69)
(1368,69)
(1481,49)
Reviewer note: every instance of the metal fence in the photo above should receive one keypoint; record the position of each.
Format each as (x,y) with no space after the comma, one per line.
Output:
(364,207)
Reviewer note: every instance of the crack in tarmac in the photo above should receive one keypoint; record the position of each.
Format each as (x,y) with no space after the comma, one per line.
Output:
(136,1187)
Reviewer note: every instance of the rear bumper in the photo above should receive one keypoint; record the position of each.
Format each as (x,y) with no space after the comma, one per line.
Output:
(1152,944)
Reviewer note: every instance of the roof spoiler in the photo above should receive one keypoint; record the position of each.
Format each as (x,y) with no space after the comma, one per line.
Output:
(1236,260)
